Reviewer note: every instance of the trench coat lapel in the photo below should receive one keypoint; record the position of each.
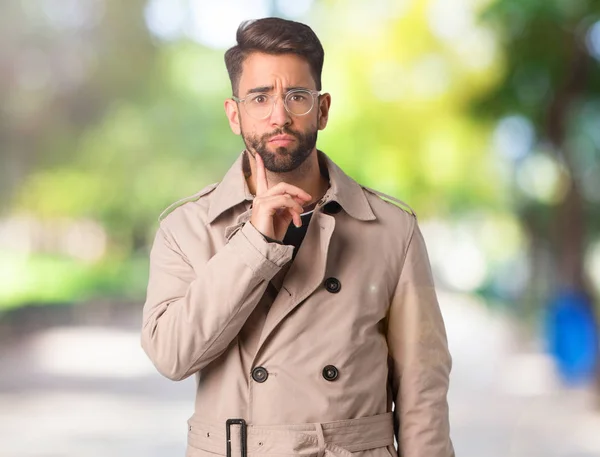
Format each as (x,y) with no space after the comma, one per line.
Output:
(305,275)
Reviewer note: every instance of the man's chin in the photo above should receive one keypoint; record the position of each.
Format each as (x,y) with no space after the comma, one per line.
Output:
(278,163)
(278,150)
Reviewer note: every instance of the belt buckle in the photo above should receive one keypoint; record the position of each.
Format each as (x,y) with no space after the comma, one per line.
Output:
(242,424)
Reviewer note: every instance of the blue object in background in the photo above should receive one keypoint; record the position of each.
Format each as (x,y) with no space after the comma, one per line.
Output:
(572,335)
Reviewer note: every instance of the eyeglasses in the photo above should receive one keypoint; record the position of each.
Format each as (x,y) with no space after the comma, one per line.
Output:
(297,102)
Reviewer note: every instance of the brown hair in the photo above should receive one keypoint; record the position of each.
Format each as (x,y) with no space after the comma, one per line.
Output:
(273,35)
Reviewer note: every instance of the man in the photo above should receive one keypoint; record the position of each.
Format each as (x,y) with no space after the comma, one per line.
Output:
(303,302)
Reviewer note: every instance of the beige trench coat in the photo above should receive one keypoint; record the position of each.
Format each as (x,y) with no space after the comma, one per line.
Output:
(313,353)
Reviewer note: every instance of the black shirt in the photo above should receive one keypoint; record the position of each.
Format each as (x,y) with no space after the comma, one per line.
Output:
(295,235)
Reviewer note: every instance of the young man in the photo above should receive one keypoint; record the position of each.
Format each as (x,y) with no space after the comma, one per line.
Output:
(302,301)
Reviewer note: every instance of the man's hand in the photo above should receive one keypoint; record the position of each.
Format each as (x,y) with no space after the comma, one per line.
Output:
(273,209)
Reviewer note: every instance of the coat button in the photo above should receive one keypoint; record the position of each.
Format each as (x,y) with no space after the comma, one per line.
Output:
(259,374)
(333,285)
(330,373)
(332,208)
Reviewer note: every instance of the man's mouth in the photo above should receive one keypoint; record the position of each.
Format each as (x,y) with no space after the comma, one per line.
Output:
(281,140)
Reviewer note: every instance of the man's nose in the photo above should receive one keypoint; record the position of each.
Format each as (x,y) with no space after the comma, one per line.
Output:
(279,115)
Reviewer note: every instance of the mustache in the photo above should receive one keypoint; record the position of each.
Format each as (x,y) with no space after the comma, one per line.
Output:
(281,131)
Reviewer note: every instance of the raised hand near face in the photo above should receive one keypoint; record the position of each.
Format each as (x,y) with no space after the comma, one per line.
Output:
(275,208)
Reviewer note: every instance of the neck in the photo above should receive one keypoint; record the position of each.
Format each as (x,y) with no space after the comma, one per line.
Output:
(307,177)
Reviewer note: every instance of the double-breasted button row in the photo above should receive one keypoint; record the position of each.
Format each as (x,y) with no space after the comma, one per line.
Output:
(333,285)
(260,374)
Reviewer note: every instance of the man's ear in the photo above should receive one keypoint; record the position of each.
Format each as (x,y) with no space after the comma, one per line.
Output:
(232,112)
(323,115)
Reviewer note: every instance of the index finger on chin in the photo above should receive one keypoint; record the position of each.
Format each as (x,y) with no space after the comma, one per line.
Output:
(261,176)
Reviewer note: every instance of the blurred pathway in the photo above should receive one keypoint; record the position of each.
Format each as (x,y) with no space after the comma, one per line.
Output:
(72,391)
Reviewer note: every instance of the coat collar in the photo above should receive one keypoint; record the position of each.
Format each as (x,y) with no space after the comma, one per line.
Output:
(233,190)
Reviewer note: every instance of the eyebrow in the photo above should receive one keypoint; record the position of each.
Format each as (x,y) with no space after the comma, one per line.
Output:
(262,89)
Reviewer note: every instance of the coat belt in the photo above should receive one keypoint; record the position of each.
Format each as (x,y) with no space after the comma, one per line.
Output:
(338,438)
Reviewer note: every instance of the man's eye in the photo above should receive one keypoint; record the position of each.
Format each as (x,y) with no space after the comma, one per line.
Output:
(259,99)
(298,98)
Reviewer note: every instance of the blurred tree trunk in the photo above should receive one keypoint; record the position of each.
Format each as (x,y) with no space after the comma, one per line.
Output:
(570,218)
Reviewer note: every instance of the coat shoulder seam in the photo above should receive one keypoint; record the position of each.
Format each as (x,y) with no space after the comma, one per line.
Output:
(191,198)
(392,200)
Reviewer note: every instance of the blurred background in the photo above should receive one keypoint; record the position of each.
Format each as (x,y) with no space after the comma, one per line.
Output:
(484,115)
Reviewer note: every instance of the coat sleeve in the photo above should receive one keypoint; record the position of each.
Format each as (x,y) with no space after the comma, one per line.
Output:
(192,314)
(419,358)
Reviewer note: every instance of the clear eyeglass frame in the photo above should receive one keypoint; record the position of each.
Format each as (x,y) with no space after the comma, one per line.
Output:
(272,98)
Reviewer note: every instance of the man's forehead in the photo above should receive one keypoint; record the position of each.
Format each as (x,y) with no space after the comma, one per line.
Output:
(275,72)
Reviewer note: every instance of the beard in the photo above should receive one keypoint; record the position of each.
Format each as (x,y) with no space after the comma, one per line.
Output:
(283,159)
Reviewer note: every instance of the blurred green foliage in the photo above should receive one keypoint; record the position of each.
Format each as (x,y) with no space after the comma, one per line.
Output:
(552,81)
(46,279)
